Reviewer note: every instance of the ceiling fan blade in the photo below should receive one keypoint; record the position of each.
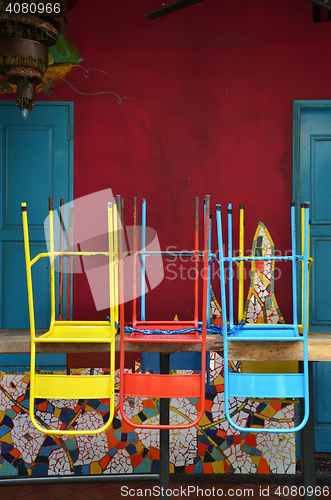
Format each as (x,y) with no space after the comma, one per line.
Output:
(324,4)
(71,4)
(170,8)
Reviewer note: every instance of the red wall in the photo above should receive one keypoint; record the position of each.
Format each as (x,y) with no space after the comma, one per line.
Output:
(211,92)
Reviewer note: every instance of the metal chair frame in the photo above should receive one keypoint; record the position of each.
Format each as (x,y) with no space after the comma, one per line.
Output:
(266,385)
(58,386)
(165,385)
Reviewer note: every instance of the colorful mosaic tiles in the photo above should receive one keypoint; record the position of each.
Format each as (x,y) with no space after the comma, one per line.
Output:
(211,447)
(261,305)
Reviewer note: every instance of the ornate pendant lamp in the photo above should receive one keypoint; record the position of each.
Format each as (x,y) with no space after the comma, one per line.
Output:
(27,29)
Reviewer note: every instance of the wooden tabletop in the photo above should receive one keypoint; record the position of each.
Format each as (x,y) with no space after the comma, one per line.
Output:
(319,347)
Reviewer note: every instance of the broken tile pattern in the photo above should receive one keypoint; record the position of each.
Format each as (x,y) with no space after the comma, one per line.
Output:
(261,305)
(210,447)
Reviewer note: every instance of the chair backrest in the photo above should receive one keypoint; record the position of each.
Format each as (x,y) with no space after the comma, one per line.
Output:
(142,258)
(294,257)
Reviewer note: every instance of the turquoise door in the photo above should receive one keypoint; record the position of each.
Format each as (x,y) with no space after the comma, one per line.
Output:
(312,182)
(35,163)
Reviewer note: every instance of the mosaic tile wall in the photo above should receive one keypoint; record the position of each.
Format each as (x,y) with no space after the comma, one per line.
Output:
(210,447)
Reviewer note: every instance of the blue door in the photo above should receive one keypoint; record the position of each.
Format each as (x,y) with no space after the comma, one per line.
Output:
(312,182)
(35,163)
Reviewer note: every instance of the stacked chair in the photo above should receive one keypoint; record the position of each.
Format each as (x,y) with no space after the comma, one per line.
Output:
(266,385)
(169,333)
(58,386)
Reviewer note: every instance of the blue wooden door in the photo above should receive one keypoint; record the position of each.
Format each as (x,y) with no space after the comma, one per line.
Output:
(312,182)
(35,163)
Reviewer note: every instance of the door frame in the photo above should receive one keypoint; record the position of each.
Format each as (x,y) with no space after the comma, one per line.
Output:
(298,107)
(69,105)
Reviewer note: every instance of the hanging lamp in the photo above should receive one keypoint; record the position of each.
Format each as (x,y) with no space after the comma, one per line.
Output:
(26,32)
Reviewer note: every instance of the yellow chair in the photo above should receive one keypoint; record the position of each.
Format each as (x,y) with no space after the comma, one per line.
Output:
(58,386)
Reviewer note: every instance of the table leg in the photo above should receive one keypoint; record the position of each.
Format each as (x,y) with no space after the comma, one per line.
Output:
(307,436)
(164,433)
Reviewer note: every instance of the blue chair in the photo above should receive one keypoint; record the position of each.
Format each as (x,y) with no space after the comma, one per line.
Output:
(266,385)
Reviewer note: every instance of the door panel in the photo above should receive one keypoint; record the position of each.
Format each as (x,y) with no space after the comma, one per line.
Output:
(312,182)
(29,172)
(322,415)
(320,283)
(35,163)
(320,174)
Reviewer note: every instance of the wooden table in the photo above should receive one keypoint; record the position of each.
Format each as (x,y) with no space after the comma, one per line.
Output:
(319,349)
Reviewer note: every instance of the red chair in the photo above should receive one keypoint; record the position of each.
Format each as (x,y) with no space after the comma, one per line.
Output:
(157,385)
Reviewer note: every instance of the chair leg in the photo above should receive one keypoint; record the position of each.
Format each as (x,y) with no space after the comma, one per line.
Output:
(164,433)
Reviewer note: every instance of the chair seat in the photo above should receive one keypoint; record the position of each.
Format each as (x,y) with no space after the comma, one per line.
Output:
(162,386)
(159,337)
(165,325)
(78,331)
(267,385)
(262,332)
(73,386)
(171,326)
